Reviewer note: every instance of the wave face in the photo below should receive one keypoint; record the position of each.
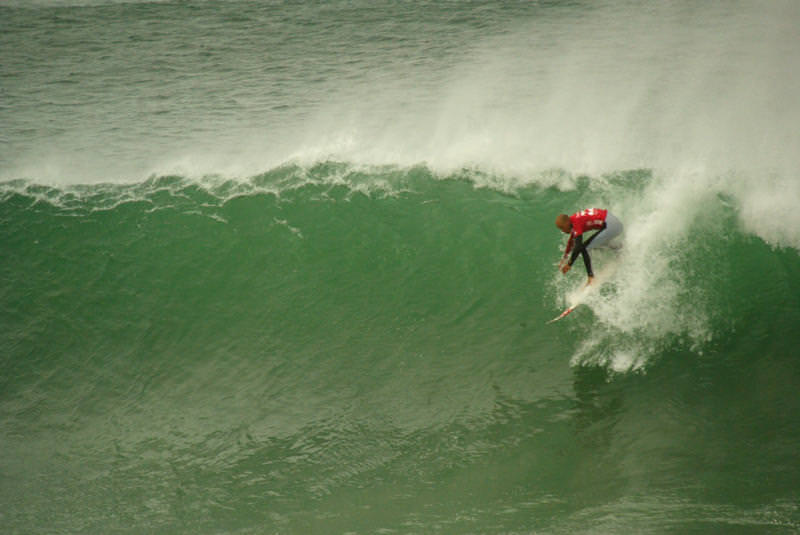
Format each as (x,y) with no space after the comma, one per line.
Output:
(315,343)
(287,268)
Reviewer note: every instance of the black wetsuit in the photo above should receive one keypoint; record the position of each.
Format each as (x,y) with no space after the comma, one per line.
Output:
(579,248)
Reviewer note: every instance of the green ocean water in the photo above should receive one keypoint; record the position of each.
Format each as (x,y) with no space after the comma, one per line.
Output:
(286,268)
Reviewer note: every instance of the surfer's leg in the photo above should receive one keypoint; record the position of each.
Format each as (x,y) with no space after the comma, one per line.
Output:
(612,230)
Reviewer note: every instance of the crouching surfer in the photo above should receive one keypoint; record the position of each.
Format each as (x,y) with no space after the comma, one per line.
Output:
(576,225)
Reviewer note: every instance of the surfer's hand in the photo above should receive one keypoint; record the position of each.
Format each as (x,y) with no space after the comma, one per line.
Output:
(565,268)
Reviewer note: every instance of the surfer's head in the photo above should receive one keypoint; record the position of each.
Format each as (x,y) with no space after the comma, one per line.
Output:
(563,222)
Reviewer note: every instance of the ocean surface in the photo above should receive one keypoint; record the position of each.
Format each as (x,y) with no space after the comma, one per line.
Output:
(285,267)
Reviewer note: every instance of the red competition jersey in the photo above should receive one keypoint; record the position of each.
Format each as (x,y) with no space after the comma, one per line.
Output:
(589,219)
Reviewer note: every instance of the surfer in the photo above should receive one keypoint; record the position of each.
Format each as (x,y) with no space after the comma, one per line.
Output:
(607,226)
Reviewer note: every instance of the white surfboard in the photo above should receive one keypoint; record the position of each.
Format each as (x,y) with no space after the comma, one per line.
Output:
(568,310)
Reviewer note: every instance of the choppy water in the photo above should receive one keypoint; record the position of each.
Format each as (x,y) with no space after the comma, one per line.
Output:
(276,267)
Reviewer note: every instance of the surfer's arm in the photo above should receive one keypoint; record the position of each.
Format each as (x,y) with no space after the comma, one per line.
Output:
(570,243)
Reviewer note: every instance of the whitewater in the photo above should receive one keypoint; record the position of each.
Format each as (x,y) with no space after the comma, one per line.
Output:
(277,267)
